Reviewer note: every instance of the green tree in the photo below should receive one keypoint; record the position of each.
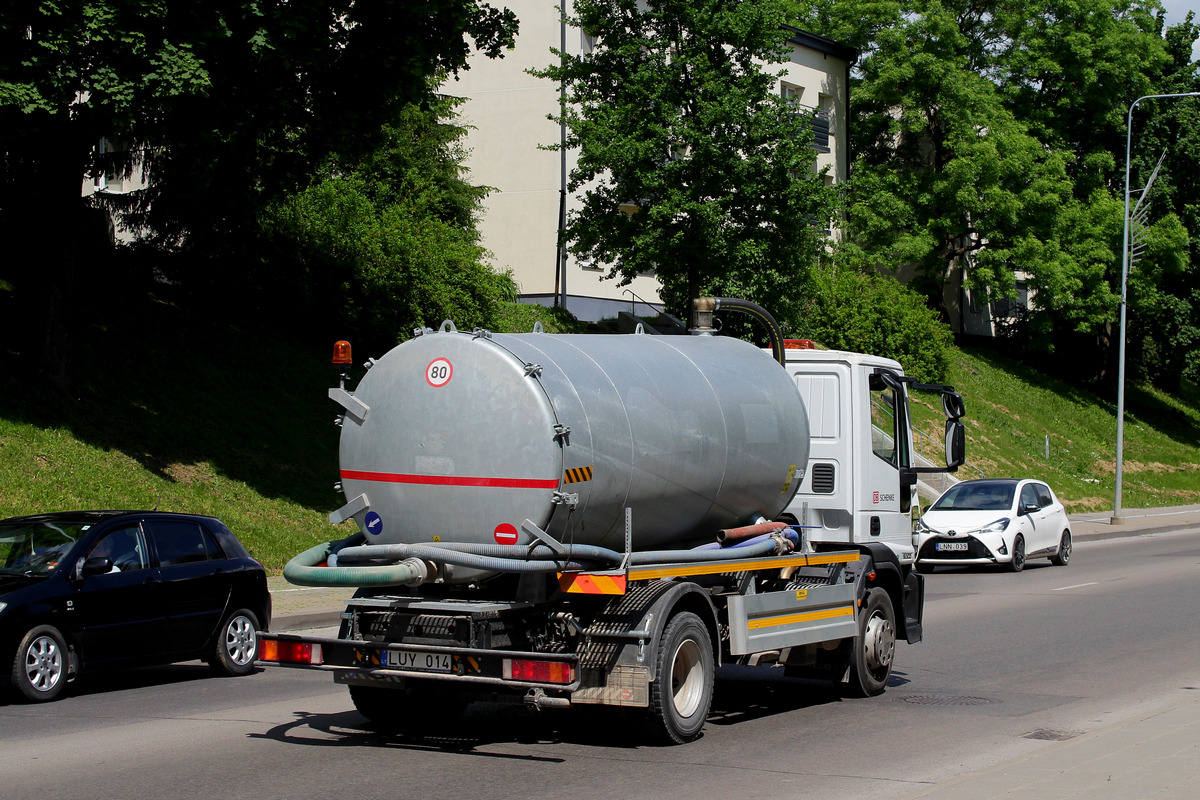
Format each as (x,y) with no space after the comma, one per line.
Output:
(1164,291)
(674,119)
(387,242)
(224,105)
(987,136)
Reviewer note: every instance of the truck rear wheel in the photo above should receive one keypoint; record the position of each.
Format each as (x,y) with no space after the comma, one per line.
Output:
(681,694)
(874,649)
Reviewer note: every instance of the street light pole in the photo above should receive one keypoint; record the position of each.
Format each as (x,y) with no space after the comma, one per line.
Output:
(1116,517)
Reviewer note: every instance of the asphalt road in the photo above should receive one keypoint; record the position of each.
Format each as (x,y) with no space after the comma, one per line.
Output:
(1010,663)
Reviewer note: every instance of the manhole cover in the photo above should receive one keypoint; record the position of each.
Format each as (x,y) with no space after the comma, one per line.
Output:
(1049,735)
(946,700)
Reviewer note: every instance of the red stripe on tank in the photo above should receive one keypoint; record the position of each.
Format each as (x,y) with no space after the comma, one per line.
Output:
(450,480)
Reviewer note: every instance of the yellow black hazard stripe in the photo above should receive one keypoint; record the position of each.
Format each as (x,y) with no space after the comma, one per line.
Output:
(577,475)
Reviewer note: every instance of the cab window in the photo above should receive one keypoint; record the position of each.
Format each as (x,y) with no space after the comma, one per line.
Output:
(1029,496)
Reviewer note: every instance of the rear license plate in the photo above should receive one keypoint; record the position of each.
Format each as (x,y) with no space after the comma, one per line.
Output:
(413,659)
(944,546)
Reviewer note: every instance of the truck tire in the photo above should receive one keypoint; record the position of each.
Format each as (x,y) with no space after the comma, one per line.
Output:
(39,668)
(875,646)
(681,694)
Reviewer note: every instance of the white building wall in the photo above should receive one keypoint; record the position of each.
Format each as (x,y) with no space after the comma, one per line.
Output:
(507,109)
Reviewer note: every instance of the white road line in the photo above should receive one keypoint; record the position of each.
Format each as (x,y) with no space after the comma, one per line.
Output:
(1076,586)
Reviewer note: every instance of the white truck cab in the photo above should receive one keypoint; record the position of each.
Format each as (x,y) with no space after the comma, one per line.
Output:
(861,477)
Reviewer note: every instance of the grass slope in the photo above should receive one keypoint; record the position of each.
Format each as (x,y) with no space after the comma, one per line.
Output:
(234,422)
(1012,410)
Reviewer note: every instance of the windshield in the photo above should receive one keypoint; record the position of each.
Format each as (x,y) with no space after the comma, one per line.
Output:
(35,548)
(977,497)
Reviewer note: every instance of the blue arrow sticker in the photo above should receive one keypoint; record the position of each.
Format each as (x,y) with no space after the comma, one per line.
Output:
(374,523)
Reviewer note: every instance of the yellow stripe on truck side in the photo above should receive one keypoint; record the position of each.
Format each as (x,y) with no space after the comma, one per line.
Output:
(718,567)
(809,616)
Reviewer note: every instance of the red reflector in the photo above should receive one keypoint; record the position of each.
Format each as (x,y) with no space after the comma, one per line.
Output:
(539,671)
(285,652)
(799,344)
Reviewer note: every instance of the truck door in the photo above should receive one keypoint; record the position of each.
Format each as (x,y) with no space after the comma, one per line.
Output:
(883,500)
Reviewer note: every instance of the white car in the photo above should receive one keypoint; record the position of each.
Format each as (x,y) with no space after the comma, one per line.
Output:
(993,521)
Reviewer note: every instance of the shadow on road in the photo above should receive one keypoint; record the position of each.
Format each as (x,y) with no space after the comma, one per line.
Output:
(741,695)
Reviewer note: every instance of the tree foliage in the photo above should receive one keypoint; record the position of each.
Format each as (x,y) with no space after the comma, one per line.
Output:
(388,242)
(865,313)
(224,106)
(673,117)
(989,136)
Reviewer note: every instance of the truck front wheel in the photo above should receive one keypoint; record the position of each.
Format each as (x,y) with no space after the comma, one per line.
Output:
(681,694)
(875,647)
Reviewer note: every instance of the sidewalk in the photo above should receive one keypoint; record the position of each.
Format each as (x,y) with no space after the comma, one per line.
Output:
(1154,755)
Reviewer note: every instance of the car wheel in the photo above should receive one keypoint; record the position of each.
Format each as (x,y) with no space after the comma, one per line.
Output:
(236,646)
(875,645)
(39,670)
(1063,556)
(1018,554)
(681,694)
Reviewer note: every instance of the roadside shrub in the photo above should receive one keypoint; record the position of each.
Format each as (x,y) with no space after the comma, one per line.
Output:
(848,310)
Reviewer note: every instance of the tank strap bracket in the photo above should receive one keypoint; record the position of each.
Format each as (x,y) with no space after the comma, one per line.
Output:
(563,434)
(565,499)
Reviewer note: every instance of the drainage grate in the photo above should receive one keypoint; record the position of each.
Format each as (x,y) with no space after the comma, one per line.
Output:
(946,700)
(1049,735)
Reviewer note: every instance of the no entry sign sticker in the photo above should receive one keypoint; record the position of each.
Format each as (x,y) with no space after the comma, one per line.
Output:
(506,534)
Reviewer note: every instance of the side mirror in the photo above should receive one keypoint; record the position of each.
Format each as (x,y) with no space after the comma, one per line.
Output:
(952,405)
(1028,508)
(908,477)
(97,565)
(956,444)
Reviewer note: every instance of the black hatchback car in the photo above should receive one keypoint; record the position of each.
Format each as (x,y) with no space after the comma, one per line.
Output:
(93,589)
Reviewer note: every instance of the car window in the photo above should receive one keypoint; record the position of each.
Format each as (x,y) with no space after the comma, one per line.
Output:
(976,497)
(182,542)
(1043,493)
(1029,496)
(35,548)
(125,547)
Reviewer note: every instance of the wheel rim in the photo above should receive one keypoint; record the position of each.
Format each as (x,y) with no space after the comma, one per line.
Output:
(1019,553)
(1064,549)
(241,643)
(43,664)
(879,643)
(687,678)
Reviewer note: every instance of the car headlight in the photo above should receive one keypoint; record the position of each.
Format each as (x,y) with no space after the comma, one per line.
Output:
(995,527)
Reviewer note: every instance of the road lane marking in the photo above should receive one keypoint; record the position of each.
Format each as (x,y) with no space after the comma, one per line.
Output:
(1076,586)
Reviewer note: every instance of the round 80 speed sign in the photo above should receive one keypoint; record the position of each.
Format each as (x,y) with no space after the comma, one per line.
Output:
(439,372)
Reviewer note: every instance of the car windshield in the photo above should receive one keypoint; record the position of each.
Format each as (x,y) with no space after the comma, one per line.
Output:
(35,548)
(976,497)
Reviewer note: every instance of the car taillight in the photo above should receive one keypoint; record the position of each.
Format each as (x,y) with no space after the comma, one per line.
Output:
(289,652)
(518,669)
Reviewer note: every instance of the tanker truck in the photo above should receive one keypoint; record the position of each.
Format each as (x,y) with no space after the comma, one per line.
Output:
(578,519)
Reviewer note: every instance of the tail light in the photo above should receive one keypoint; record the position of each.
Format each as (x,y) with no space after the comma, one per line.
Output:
(285,652)
(519,669)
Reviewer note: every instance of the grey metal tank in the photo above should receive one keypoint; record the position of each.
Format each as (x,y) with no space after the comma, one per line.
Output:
(460,437)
